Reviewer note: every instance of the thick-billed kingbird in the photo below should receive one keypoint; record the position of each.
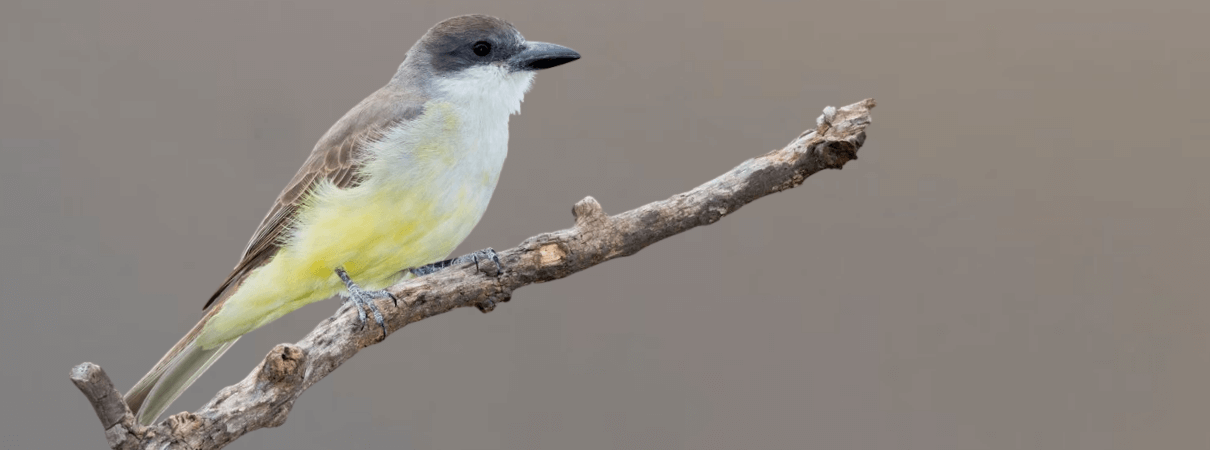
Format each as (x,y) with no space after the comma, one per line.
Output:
(394,185)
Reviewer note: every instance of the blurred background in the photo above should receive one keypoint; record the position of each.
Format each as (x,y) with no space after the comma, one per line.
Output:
(1017,261)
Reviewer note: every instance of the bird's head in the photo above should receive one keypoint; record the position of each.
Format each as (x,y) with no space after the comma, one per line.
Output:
(479,60)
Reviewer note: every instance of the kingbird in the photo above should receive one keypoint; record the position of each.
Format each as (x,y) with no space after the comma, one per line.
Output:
(394,185)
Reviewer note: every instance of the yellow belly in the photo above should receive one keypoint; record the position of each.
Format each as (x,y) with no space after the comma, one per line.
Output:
(389,223)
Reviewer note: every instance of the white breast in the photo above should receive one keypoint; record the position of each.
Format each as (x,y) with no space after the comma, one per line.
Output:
(484,97)
(462,135)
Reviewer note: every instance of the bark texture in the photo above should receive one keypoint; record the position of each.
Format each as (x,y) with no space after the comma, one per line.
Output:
(265,397)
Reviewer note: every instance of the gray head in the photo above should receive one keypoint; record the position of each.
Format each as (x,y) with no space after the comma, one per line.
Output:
(477,52)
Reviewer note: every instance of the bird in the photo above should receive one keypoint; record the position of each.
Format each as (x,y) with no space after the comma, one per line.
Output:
(393,186)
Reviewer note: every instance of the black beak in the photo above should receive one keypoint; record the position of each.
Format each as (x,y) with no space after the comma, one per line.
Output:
(541,55)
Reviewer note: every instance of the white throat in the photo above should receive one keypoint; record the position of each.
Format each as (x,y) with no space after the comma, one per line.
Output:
(485,97)
(486,91)
(479,101)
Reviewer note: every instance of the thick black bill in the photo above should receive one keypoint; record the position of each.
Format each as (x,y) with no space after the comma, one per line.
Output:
(541,55)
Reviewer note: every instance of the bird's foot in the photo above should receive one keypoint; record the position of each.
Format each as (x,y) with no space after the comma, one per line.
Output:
(363,300)
(476,257)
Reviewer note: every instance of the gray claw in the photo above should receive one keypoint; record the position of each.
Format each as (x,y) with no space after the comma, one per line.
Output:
(486,253)
(490,254)
(363,299)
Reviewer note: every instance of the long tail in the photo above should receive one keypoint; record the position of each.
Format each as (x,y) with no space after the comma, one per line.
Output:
(178,369)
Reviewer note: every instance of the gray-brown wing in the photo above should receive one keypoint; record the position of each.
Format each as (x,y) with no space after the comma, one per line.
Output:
(339,157)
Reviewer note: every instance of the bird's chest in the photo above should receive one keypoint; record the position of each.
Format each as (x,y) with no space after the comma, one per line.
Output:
(439,186)
(458,171)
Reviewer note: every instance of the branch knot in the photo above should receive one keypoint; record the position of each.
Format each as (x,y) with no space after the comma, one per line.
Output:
(588,212)
(183,425)
(283,363)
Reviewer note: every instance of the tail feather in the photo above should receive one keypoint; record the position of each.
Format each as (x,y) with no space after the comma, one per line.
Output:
(178,369)
(185,368)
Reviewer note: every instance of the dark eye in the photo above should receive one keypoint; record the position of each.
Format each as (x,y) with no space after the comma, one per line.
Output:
(482,48)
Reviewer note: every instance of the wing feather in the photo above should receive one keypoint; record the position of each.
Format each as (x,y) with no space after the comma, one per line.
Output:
(338,157)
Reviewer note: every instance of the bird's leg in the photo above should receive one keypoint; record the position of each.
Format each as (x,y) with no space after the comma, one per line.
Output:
(363,299)
(483,255)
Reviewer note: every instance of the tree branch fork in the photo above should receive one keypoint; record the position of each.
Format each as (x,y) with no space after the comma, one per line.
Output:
(265,397)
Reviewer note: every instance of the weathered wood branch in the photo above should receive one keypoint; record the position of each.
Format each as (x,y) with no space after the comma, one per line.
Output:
(266,396)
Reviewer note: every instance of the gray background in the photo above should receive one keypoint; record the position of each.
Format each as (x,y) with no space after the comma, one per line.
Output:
(1017,261)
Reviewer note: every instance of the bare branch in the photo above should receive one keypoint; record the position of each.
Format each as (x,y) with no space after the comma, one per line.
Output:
(265,396)
(106,401)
